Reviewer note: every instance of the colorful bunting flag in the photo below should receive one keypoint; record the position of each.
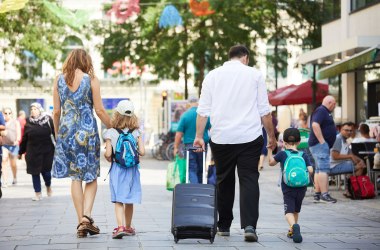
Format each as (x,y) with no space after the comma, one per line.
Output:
(124,9)
(200,8)
(9,5)
(170,17)
(75,20)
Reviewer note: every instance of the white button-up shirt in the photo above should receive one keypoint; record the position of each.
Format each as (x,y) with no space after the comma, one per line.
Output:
(235,98)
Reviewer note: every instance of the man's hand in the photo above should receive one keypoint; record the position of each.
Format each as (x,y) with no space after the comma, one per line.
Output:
(272,142)
(175,151)
(199,143)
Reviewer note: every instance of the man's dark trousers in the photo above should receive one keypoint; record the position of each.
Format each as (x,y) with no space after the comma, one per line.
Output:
(245,157)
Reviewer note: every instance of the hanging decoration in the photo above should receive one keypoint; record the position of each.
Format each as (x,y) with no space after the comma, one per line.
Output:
(125,68)
(124,9)
(200,8)
(75,20)
(170,17)
(9,5)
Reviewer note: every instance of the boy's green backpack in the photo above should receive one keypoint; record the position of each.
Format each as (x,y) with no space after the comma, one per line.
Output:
(295,172)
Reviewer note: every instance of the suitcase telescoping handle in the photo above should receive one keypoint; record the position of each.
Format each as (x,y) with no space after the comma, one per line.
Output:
(204,180)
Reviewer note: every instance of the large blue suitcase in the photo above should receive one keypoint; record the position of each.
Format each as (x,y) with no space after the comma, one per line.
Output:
(194,212)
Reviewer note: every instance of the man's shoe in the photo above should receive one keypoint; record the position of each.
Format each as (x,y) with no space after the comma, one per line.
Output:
(250,234)
(327,199)
(1,193)
(223,231)
(317,198)
(297,237)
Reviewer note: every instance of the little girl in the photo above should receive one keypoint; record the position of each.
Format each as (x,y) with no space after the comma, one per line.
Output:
(124,182)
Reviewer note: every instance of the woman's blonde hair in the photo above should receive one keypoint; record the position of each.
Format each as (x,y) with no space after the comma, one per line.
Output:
(122,121)
(77,59)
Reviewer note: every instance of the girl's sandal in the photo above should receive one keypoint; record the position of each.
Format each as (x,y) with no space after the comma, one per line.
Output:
(81,230)
(91,229)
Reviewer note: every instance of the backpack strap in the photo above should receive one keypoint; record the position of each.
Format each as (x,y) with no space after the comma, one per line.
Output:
(289,153)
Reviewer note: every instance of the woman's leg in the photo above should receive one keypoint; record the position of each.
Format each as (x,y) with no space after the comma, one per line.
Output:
(119,212)
(77,196)
(36,183)
(89,197)
(37,186)
(128,215)
(13,163)
(47,179)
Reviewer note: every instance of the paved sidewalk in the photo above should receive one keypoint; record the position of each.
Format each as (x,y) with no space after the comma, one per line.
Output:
(51,223)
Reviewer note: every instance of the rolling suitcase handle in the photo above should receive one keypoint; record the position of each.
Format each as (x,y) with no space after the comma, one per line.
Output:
(204,180)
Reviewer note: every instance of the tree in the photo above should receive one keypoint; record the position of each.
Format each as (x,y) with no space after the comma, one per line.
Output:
(33,29)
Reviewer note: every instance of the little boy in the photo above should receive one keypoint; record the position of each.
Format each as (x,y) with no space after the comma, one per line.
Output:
(293,196)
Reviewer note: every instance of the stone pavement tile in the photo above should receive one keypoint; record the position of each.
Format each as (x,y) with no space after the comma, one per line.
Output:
(267,237)
(279,245)
(47,247)
(348,245)
(123,248)
(362,239)
(167,243)
(114,243)
(15,232)
(200,247)
(312,239)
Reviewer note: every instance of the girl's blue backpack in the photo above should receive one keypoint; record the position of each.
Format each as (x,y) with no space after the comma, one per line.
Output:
(126,154)
(295,172)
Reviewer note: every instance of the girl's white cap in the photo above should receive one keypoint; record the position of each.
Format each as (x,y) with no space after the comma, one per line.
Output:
(125,107)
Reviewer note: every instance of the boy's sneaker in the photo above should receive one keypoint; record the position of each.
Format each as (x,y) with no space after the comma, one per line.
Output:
(297,237)
(223,231)
(317,198)
(328,199)
(118,232)
(290,233)
(250,234)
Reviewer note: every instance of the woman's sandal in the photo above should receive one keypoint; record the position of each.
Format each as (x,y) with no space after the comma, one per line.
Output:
(90,228)
(81,230)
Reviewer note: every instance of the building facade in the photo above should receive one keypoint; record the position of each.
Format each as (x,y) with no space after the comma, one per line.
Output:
(350,59)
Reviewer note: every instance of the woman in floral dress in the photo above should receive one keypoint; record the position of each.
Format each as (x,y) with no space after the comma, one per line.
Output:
(76,93)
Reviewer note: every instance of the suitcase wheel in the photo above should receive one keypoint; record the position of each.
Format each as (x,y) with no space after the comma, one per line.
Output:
(175,236)
(212,240)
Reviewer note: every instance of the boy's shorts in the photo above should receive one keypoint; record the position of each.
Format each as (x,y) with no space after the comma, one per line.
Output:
(293,198)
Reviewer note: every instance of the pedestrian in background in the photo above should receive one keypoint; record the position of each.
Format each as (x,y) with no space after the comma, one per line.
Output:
(38,148)
(76,92)
(235,98)
(186,131)
(22,120)
(321,139)
(2,128)
(10,149)
(125,182)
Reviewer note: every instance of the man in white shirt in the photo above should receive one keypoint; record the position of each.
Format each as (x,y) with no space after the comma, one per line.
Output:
(235,98)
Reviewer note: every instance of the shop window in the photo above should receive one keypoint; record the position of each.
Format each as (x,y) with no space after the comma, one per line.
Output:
(331,10)
(361,4)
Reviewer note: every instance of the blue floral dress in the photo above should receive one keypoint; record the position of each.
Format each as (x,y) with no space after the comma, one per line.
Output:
(77,153)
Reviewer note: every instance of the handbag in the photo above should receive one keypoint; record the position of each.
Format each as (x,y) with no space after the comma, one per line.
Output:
(9,134)
(52,138)
(176,173)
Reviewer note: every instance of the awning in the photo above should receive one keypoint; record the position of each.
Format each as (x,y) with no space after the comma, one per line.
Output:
(365,57)
(298,94)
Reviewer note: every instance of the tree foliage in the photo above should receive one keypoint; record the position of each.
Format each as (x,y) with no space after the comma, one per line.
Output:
(204,41)
(32,28)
